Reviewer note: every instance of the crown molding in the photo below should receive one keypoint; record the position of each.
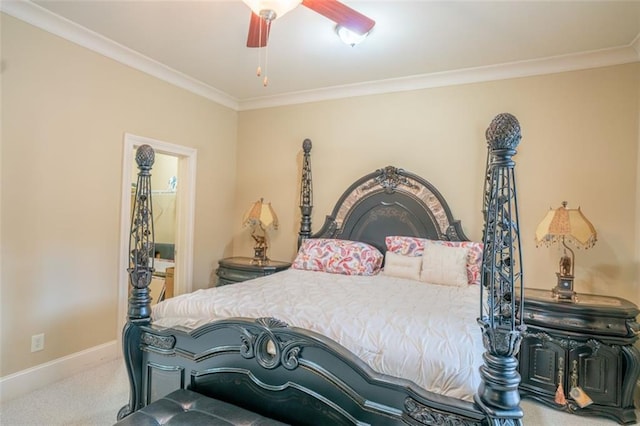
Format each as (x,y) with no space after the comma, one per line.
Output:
(549,65)
(55,24)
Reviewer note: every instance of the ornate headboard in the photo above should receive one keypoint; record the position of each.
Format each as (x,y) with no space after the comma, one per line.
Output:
(389,201)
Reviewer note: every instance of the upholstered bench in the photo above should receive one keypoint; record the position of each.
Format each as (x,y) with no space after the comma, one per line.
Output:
(185,407)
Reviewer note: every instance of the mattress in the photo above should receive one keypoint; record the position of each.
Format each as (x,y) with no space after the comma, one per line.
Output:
(422,332)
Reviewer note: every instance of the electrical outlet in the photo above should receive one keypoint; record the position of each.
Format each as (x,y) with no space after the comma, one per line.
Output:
(37,342)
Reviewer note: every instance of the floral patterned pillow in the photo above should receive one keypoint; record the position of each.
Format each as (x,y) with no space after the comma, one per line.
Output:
(338,257)
(414,246)
(405,246)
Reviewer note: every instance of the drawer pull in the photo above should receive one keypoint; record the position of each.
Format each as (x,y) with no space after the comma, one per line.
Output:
(559,397)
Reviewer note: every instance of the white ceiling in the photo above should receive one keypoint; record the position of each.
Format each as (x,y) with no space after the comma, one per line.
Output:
(414,43)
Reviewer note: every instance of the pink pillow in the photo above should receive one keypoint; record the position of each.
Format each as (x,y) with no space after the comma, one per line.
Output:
(338,257)
(414,246)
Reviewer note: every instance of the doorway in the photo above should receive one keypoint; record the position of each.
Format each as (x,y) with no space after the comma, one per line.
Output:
(184,186)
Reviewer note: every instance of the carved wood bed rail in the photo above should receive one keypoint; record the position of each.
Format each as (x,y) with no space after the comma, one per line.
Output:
(302,377)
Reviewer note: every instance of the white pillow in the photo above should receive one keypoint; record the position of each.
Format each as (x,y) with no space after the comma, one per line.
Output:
(444,265)
(397,265)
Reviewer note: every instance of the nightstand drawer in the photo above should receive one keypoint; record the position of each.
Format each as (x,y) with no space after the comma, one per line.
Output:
(237,269)
(588,315)
(596,325)
(237,275)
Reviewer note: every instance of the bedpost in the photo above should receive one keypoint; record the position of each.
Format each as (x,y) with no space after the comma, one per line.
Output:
(501,324)
(141,248)
(306,193)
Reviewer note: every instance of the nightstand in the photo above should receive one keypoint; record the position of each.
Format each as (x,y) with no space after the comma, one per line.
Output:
(587,344)
(236,269)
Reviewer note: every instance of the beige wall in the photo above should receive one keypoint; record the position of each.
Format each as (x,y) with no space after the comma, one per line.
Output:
(580,144)
(65,111)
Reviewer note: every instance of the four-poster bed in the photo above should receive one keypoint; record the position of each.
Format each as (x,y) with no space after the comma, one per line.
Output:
(306,368)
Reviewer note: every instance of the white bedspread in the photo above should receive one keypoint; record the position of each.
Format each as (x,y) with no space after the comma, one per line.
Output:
(426,333)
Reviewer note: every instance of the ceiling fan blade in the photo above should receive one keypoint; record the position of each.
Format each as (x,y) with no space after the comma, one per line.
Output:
(258,31)
(341,14)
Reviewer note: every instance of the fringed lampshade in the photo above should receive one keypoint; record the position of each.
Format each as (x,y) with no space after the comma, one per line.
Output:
(260,217)
(564,225)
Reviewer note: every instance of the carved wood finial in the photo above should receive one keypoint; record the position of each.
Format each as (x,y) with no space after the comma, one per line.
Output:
(306,146)
(503,132)
(145,157)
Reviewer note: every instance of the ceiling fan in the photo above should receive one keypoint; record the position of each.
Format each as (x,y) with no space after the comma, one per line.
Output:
(263,12)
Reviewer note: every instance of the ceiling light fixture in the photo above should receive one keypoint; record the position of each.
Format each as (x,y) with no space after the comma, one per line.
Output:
(349,37)
(264,12)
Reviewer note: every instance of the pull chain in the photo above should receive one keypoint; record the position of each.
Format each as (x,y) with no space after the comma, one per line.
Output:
(259,70)
(265,80)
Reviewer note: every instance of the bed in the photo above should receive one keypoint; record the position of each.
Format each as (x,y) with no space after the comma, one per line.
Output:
(340,338)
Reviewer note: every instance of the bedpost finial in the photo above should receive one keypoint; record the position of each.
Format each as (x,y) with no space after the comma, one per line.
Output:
(145,157)
(306,146)
(503,132)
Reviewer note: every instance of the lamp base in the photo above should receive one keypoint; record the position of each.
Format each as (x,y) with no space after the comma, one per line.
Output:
(563,291)
(260,256)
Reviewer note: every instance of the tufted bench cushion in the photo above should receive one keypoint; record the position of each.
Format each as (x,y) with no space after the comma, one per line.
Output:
(185,407)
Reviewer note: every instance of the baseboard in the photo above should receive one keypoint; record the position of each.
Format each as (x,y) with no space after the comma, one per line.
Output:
(25,381)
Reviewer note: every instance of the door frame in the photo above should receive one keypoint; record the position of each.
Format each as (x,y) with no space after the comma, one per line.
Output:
(185,214)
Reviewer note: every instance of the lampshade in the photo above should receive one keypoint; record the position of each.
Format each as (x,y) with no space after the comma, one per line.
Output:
(279,7)
(261,214)
(563,224)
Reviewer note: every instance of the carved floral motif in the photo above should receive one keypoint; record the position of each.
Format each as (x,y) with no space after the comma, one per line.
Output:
(390,178)
(567,344)
(431,417)
(160,342)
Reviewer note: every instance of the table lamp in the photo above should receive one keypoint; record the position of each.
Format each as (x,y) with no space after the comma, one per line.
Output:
(566,226)
(260,217)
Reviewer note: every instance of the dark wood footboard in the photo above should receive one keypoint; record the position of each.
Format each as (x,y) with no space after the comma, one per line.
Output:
(288,374)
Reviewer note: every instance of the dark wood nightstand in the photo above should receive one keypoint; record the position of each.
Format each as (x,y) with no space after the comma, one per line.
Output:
(236,269)
(586,344)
